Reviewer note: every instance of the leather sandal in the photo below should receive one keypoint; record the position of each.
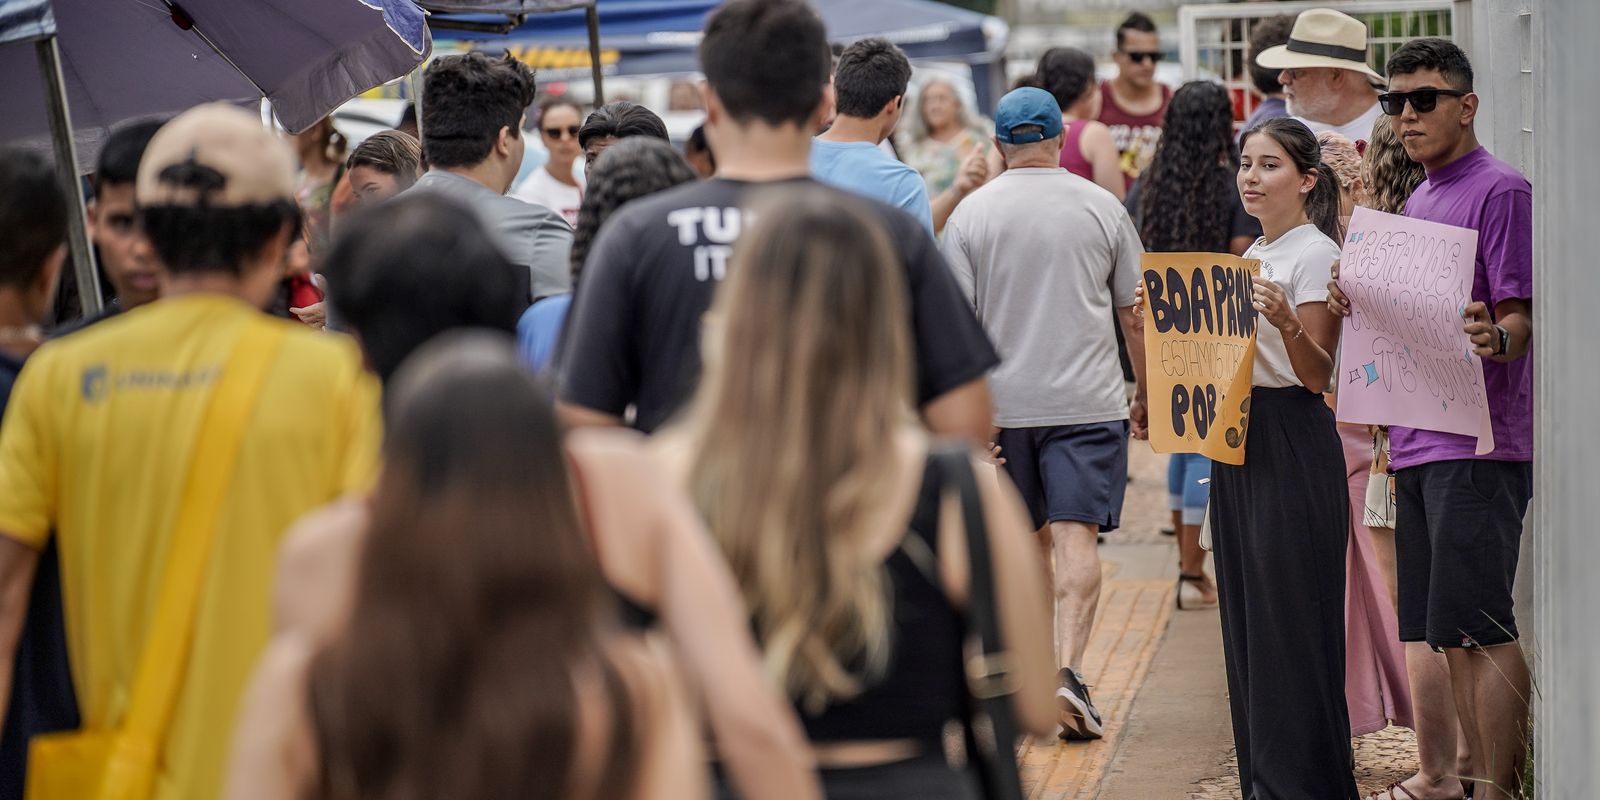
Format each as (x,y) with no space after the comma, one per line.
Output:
(1184,578)
(1388,794)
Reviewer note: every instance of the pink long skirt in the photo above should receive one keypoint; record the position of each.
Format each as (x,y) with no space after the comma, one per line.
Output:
(1375,685)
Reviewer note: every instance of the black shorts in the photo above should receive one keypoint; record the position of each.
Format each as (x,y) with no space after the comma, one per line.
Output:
(1458,527)
(1069,473)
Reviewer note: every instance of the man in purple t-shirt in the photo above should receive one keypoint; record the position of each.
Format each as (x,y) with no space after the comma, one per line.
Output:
(1459,515)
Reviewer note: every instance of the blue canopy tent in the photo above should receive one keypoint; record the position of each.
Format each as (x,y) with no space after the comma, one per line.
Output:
(499,17)
(655,37)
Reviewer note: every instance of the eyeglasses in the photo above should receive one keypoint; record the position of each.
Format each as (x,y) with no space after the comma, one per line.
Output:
(1139,58)
(1423,100)
(555,133)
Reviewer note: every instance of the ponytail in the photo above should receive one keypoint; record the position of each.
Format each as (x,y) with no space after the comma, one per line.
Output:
(1322,202)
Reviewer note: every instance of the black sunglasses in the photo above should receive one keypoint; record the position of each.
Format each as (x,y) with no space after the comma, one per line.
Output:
(1423,100)
(555,133)
(1139,58)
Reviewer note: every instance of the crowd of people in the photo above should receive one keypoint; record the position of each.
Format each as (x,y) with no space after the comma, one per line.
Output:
(649,478)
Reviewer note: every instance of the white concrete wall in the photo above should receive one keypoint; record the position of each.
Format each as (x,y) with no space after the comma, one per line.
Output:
(1500,41)
(1567,304)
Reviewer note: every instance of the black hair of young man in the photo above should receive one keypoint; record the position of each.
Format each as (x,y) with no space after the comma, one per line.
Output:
(416,266)
(201,239)
(33,216)
(1268,32)
(767,60)
(696,143)
(1135,22)
(466,100)
(621,119)
(870,73)
(119,158)
(1436,54)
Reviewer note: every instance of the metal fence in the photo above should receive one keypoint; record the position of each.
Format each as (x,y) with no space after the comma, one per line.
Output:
(1215,39)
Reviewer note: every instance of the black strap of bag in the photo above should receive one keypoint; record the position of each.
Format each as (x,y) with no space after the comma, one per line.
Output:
(991,724)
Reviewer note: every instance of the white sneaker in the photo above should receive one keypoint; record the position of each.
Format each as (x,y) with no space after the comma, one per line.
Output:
(1080,720)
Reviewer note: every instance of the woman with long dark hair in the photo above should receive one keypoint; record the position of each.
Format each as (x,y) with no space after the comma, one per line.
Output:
(477,655)
(1186,202)
(805,457)
(1280,522)
(661,572)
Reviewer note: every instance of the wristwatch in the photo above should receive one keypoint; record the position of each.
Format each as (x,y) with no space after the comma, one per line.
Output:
(1505,341)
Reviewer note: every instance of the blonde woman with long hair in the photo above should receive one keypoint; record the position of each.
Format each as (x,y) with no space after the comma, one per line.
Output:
(1375,687)
(804,454)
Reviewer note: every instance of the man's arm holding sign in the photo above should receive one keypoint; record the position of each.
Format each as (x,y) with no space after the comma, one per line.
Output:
(1504,338)
(1513,316)
(1132,319)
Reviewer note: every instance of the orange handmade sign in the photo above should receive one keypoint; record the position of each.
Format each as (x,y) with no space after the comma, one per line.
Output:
(1200,346)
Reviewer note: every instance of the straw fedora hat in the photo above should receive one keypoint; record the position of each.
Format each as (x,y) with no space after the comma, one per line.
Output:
(1322,37)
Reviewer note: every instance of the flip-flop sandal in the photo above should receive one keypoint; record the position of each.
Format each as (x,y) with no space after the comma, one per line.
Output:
(1388,794)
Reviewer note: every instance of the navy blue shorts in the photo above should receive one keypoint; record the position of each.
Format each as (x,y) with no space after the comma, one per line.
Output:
(1069,473)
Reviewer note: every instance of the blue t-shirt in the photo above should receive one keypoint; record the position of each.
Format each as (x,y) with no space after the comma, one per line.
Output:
(862,168)
(540,328)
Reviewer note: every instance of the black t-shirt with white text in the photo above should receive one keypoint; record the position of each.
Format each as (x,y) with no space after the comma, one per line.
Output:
(633,334)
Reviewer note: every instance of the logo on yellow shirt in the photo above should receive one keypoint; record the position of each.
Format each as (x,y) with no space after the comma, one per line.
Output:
(98,382)
(94,384)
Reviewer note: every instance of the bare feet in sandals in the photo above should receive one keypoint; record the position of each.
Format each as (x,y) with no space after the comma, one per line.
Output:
(1417,787)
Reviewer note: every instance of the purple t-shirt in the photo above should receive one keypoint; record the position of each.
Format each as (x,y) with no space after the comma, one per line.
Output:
(1486,194)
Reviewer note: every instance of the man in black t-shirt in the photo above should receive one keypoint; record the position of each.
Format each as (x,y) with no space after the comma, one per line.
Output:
(633,338)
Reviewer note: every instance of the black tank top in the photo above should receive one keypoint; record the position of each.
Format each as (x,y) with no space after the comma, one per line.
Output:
(923,687)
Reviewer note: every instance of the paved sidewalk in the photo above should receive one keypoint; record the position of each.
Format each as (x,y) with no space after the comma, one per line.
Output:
(1127,632)
(1159,682)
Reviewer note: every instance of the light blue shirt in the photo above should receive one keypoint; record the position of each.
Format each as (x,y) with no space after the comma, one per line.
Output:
(540,328)
(862,168)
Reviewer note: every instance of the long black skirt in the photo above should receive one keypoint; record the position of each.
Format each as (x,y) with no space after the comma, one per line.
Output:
(1280,525)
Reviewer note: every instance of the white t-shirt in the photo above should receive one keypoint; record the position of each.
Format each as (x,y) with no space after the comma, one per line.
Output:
(1044,257)
(1356,130)
(1301,261)
(542,189)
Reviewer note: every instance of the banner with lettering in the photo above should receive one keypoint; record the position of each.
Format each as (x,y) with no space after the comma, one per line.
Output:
(1200,346)
(1404,358)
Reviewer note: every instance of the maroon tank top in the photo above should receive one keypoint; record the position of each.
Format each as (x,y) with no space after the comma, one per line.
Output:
(1072,151)
(1135,135)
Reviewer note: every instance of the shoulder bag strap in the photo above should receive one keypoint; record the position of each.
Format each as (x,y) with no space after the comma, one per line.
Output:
(992,725)
(211,469)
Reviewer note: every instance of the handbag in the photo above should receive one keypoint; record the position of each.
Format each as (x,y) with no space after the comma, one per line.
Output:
(991,724)
(123,763)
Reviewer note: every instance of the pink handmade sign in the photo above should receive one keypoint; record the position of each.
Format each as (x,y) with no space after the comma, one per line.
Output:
(1404,358)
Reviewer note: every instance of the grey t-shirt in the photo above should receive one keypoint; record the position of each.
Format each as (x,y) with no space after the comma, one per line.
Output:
(1044,256)
(530,235)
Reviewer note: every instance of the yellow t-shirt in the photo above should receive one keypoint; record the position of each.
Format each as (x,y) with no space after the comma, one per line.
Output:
(96,447)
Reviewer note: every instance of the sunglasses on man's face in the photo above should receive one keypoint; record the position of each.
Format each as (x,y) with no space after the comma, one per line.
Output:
(555,133)
(1423,100)
(1139,58)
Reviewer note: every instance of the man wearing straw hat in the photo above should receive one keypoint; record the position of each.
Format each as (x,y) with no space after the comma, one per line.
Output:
(1325,75)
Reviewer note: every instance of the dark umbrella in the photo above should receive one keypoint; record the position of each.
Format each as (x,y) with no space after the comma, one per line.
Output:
(113,60)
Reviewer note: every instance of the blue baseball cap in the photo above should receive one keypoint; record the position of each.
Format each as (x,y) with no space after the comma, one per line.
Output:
(1027,106)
